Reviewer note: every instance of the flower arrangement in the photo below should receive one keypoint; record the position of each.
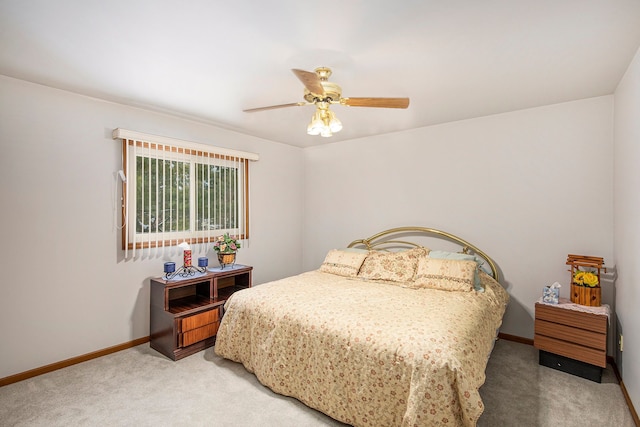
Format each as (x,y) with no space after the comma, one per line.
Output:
(226,244)
(585,278)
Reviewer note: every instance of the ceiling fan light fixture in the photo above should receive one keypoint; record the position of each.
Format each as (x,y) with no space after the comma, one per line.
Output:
(324,123)
(316,125)
(334,124)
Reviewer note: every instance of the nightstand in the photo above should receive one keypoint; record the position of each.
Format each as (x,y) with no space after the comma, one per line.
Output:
(572,338)
(186,312)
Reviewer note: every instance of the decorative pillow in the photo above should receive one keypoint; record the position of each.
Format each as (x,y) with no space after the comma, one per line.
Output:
(467,257)
(343,263)
(445,274)
(391,266)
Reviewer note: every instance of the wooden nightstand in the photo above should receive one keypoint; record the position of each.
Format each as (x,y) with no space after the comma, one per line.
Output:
(572,338)
(186,312)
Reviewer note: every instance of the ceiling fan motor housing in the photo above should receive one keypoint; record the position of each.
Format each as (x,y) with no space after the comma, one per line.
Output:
(332,92)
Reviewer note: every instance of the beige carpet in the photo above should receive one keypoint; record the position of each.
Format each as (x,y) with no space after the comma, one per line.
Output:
(140,387)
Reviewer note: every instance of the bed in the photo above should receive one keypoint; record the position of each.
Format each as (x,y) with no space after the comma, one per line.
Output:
(386,332)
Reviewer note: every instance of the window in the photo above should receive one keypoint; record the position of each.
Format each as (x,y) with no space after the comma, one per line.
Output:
(182,192)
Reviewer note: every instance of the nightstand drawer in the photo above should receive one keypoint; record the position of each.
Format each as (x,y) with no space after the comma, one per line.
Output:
(571,350)
(576,319)
(198,320)
(198,334)
(570,334)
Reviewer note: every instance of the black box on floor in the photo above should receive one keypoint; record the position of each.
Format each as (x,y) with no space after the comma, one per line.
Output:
(570,366)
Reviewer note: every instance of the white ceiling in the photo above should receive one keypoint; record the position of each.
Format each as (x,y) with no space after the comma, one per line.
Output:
(209,60)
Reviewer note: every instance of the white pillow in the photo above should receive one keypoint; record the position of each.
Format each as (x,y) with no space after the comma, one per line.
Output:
(343,262)
(445,274)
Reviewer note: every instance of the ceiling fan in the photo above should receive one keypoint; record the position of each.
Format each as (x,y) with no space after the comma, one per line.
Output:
(319,91)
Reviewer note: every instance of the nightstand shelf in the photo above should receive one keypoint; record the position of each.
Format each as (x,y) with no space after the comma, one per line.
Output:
(572,340)
(186,312)
(186,304)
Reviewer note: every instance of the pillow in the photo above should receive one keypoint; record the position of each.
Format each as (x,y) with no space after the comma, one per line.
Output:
(391,266)
(465,257)
(445,274)
(343,263)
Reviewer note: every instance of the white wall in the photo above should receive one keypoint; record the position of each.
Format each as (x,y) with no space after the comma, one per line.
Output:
(65,290)
(527,187)
(627,223)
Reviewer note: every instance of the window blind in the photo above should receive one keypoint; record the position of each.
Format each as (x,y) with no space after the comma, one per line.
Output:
(179,191)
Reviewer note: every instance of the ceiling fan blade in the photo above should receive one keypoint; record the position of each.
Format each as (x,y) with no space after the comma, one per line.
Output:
(273,107)
(310,80)
(376,102)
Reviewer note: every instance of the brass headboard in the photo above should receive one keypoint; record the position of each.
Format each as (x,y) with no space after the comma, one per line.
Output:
(385,238)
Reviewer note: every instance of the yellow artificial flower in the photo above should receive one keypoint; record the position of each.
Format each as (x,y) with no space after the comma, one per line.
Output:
(590,279)
(585,278)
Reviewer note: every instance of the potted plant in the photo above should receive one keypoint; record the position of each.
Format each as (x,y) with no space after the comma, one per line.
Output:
(226,247)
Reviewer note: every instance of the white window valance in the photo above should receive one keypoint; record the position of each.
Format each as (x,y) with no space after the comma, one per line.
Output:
(120,133)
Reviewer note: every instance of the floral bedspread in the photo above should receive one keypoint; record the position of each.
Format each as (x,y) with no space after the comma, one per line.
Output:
(367,353)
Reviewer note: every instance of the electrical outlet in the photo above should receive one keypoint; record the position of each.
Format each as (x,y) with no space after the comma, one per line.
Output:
(621,343)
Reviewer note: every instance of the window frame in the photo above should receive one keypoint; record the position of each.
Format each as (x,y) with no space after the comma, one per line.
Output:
(197,154)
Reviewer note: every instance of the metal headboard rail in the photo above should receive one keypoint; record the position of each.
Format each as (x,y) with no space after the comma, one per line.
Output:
(378,240)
